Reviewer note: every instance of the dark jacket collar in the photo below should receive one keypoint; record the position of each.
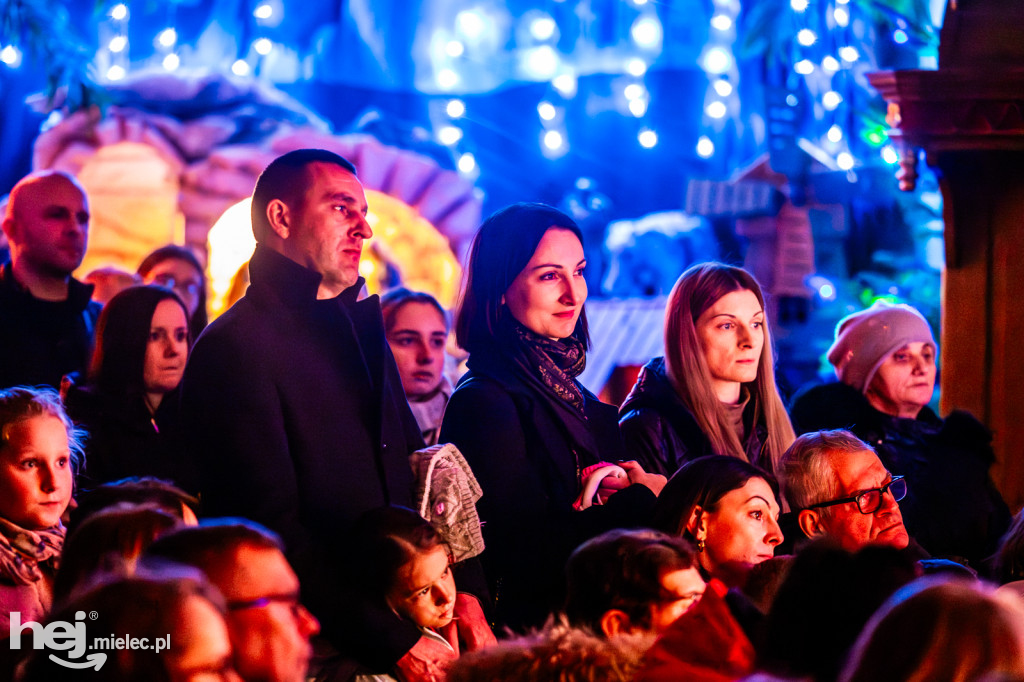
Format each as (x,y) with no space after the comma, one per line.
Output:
(289,281)
(79,293)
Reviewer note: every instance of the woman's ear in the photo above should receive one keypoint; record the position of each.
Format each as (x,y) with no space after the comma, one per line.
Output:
(279,218)
(809,521)
(696,525)
(615,622)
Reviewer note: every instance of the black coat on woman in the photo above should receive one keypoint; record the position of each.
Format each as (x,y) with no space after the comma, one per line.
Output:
(661,433)
(527,449)
(124,439)
(952,508)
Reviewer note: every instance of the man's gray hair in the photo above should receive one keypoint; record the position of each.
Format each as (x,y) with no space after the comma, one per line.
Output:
(806,472)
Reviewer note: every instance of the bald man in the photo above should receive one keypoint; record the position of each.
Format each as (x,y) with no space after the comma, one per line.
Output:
(47,320)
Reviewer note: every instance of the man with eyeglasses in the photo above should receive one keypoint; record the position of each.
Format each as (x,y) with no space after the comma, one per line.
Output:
(838,488)
(269,627)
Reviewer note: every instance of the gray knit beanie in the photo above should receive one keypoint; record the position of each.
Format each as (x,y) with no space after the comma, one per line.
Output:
(865,339)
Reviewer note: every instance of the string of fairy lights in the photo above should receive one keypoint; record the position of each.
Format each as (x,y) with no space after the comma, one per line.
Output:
(823,57)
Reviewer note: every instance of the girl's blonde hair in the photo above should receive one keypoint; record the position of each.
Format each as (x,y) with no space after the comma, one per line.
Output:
(23,402)
(697,290)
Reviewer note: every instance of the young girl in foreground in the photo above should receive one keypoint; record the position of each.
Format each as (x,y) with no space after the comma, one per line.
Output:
(38,444)
(404,562)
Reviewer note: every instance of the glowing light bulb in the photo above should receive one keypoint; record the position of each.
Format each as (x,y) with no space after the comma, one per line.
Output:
(117,44)
(542,28)
(636,67)
(167,37)
(798,5)
(842,16)
(889,155)
(716,109)
(647,138)
(454,48)
(553,140)
(565,84)
(115,73)
(119,12)
(900,36)
(240,68)
(849,54)
(830,63)
(9,55)
(263,46)
(844,160)
(264,11)
(717,60)
(831,99)
(721,22)
(722,87)
(646,31)
(633,91)
(638,107)
(705,147)
(804,67)
(449,135)
(171,61)
(547,111)
(467,163)
(835,133)
(806,37)
(455,108)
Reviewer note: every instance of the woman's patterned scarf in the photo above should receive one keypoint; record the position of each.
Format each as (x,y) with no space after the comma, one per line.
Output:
(557,363)
(23,551)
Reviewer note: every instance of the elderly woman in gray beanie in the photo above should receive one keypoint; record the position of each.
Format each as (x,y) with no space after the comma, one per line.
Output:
(884,358)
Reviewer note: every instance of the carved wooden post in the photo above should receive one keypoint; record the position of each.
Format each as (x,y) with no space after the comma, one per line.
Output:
(968,118)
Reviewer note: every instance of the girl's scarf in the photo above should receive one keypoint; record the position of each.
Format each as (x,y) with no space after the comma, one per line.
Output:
(22,552)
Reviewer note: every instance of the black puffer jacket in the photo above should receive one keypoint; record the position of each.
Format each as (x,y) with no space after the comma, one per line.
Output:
(952,508)
(662,434)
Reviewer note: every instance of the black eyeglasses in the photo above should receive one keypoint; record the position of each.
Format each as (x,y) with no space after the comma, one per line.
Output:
(289,600)
(869,501)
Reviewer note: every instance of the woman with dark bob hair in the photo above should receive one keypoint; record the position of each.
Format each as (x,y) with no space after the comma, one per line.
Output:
(129,406)
(534,436)
(729,509)
(714,391)
(177,268)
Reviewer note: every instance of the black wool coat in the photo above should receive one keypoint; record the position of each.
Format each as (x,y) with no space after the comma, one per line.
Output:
(123,439)
(41,341)
(296,418)
(528,469)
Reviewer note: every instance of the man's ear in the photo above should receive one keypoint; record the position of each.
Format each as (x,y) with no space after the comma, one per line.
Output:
(696,524)
(615,622)
(810,523)
(279,218)
(8,226)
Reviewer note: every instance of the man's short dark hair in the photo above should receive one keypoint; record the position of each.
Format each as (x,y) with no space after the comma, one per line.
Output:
(622,569)
(209,544)
(284,179)
(134,490)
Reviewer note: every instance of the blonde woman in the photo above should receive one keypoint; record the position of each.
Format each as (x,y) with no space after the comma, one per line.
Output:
(714,391)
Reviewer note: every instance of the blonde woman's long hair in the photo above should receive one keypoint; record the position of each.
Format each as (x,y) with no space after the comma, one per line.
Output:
(695,291)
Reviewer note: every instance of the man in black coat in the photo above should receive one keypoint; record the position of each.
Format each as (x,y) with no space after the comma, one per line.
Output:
(292,401)
(47,319)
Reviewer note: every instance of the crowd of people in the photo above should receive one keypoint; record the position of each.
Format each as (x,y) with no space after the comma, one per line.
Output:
(298,491)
